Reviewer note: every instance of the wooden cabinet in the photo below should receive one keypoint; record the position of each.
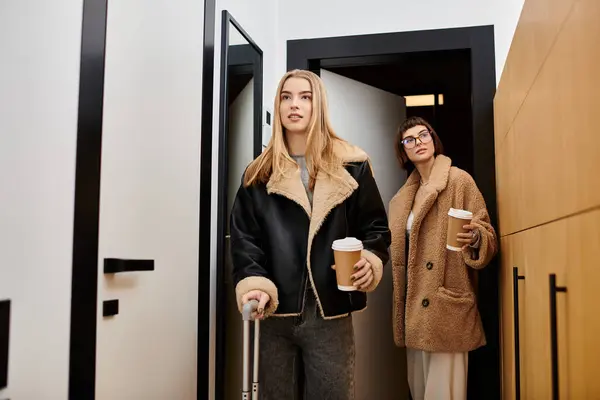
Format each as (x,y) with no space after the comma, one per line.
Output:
(569,249)
(548,191)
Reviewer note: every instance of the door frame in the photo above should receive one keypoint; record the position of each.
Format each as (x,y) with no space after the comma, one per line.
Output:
(253,60)
(84,285)
(84,281)
(203,360)
(485,370)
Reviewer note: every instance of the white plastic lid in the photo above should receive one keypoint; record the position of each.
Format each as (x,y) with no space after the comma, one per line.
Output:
(462,214)
(347,244)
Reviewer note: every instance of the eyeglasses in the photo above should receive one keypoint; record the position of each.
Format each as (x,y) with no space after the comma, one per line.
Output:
(410,142)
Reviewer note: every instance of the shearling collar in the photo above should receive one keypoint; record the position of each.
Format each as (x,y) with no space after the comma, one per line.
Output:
(328,191)
(439,175)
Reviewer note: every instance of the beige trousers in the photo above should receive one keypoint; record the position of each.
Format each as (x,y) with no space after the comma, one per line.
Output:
(437,376)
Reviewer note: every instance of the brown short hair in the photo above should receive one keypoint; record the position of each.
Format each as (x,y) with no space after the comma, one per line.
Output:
(411,122)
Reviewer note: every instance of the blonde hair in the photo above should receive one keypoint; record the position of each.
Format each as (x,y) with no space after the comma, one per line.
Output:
(320,155)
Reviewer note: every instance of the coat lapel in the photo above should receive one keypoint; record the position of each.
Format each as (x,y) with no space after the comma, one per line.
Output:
(290,186)
(405,199)
(400,207)
(437,183)
(329,193)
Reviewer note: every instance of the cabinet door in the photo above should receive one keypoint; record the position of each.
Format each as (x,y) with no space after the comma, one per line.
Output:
(507,320)
(513,256)
(543,252)
(536,253)
(579,358)
(510,258)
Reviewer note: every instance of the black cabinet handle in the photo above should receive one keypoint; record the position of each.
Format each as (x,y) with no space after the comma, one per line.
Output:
(516,278)
(553,334)
(117,265)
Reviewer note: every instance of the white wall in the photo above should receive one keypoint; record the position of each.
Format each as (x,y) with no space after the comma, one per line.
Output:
(318,18)
(39,75)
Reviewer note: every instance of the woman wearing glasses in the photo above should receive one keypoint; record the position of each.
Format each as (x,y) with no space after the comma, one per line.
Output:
(435,309)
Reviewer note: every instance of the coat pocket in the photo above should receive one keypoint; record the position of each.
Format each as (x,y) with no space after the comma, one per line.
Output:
(456,322)
(454,296)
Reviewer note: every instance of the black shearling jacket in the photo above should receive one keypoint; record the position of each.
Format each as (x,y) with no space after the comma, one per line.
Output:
(280,244)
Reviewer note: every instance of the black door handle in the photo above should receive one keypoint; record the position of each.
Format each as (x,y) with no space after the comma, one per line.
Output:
(117,265)
(516,278)
(553,334)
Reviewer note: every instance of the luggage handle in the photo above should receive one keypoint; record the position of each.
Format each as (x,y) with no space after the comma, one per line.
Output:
(247,310)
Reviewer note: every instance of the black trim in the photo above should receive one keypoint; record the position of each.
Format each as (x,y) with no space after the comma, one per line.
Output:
(516,279)
(243,56)
(4,341)
(118,265)
(84,286)
(554,289)
(312,54)
(204,318)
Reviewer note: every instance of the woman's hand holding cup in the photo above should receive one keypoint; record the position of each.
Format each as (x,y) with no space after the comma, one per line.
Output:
(364,274)
(468,238)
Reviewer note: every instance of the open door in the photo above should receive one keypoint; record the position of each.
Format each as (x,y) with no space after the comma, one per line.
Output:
(240,155)
(369,118)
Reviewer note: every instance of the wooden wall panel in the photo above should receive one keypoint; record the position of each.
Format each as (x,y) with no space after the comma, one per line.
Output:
(550,155)
(539,25)
(508,180)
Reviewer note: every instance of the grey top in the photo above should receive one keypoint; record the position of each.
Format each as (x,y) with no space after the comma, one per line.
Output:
(304,175)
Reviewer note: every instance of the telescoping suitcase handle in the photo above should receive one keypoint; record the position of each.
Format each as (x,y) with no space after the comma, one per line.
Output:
(247,312)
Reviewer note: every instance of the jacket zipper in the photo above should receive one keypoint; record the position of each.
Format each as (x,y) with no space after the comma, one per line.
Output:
(303,286)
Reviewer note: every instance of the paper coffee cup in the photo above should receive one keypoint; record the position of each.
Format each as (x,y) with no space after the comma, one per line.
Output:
(456,220)
(347,253)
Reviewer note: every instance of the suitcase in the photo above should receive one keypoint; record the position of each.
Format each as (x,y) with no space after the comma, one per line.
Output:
(247,311)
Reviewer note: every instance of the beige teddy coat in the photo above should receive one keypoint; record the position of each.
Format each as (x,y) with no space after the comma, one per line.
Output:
(437,310)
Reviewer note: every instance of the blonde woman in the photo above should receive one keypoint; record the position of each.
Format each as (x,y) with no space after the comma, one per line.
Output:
(308,188)
(435,310)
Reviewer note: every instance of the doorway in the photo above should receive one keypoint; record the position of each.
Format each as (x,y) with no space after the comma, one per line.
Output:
(436,86)
(453,70)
